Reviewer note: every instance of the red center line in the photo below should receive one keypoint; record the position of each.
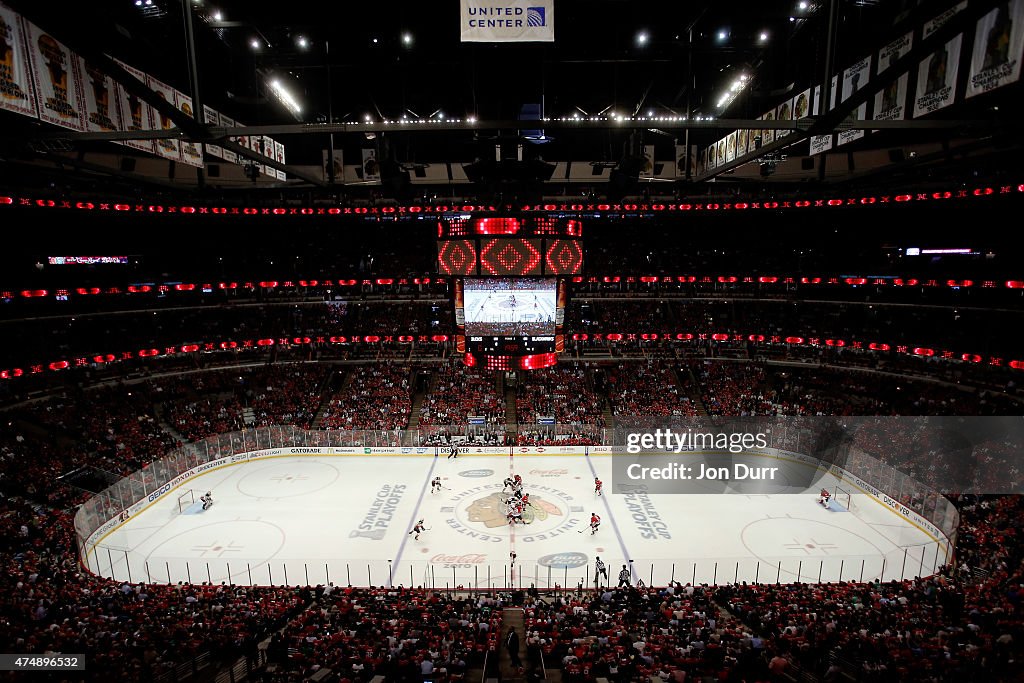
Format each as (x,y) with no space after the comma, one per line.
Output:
(512,527)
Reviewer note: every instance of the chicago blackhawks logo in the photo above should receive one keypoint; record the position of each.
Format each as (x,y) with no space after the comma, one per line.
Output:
(490,510)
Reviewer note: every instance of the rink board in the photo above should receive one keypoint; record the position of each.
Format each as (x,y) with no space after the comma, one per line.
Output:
(345,519)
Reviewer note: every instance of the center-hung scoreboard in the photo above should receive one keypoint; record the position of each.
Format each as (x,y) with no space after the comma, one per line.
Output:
(509,286)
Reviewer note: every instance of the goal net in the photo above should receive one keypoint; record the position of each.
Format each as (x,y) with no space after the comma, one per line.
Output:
(843,497)
(186,500)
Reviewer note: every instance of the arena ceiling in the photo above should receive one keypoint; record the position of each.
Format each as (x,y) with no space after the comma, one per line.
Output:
(353,67)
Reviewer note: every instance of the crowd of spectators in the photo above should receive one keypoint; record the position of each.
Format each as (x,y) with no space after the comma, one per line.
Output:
(375,397)
(458,392)
(400,633)
(564,392)
(647,389)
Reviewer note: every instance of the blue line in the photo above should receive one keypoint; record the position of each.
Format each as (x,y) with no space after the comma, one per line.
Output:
(615,527)
(412,520)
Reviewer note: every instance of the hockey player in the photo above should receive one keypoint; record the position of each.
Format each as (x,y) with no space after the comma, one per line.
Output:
(518,480)
(824,497)
(510,484)
(435,485)
(454,452)
(597,486)
(525,500)
(595,522)
(418,529)
(207,499)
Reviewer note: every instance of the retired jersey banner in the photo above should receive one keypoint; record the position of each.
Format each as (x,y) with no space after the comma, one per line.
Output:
(58,83)
(16,92)
(135,114)
(936,78)
(802,105)
(191,152)
(816,100)
(854,78)
(507,21)
(998,48)
(279,157)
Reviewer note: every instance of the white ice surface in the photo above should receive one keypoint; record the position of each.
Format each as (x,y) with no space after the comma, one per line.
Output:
(345,519)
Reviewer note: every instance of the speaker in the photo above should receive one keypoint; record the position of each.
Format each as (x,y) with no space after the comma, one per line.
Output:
(127,164)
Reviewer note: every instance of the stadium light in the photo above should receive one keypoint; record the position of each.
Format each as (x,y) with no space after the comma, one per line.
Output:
(285,97)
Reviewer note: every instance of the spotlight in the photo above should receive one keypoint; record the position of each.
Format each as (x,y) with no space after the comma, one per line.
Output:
(642,38)
(302,42)
(406,39)
(254,44)
(763,37)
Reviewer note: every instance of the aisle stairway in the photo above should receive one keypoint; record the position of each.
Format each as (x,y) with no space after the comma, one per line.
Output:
(512,618)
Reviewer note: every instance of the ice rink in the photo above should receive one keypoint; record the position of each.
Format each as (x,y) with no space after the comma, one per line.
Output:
(346,519)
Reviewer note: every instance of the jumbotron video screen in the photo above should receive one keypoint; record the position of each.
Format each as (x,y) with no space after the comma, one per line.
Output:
(509,314)
(510,307)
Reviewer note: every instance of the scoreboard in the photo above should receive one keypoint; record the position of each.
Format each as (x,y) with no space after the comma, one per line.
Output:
(509,290)
(509,246)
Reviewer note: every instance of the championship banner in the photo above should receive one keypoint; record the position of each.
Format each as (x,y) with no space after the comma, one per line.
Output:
(720,152)
(938,22)
(371,167)
(16,91)
(647,169)
(998,47)
(507,21)
(229,154)
(820,143)
(58,83)
(134,113)
(191,152)
(712,162)
(730,147)
(211,117)
(100,98)
(784,112)
(847,136)
(168,148)
(279,156)
(891,101)
(855,78)
(936,78)
(339,166)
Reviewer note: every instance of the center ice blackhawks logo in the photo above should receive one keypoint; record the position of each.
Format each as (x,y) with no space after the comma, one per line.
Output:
(490,510)
(479,513)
